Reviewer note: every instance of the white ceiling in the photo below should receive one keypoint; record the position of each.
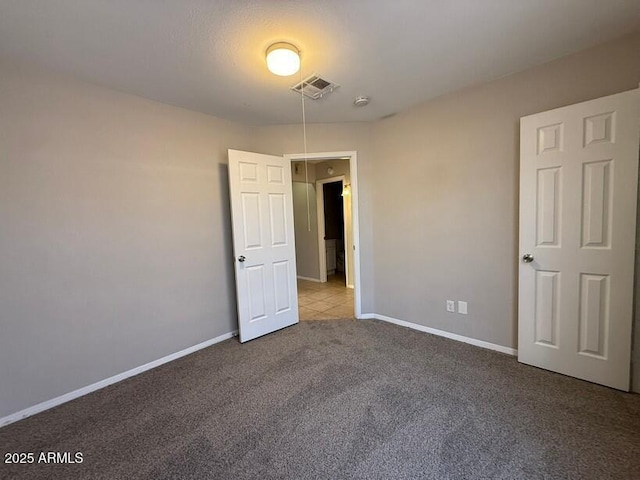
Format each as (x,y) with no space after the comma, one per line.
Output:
(208,55)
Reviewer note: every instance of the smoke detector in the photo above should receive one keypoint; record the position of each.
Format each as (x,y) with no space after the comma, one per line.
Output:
(314,87)
(361,101)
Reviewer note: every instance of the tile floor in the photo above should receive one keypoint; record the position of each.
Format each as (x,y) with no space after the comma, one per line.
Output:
(325,301)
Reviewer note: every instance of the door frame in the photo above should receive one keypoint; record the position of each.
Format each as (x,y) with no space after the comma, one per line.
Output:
(352,156)
(322,247)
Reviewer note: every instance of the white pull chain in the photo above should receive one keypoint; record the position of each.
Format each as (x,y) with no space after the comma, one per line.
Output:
(304,137)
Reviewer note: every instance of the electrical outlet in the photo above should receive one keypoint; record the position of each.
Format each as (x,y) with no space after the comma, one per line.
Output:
(462,307)
(451,306)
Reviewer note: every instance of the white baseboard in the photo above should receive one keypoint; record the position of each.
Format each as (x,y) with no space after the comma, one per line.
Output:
(54,402)
(300,277)
(442,333)
(351,286)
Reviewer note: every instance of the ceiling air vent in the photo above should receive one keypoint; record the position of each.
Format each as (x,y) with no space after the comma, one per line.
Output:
(314,87)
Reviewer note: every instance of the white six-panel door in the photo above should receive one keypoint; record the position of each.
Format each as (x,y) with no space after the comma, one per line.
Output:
(578,194)
(263,243)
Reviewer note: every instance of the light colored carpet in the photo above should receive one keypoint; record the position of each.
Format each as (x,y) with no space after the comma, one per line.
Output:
(339,400)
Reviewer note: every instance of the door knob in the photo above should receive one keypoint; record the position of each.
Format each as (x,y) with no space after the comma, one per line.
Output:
(241,258)
(527,258)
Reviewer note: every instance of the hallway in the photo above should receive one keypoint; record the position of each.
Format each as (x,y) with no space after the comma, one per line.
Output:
(325,301)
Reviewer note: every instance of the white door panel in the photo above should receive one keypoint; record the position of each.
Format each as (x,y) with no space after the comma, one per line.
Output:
(578,194)
(263,243)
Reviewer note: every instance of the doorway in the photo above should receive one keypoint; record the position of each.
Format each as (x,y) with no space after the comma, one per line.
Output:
(327,240)
(334,230)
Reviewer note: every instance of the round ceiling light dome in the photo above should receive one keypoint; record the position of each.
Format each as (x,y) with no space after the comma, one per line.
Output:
(283,59)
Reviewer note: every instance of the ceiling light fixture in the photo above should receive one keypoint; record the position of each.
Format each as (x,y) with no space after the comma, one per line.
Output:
(283,59)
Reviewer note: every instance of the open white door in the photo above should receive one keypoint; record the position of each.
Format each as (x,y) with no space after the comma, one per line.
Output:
(263,243)
(578,194)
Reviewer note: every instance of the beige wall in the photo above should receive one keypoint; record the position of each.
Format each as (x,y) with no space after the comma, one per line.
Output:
(115,233)
(305,221)
(340,167)
(305,173)
(446,191)
(306,230)
(282,139)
